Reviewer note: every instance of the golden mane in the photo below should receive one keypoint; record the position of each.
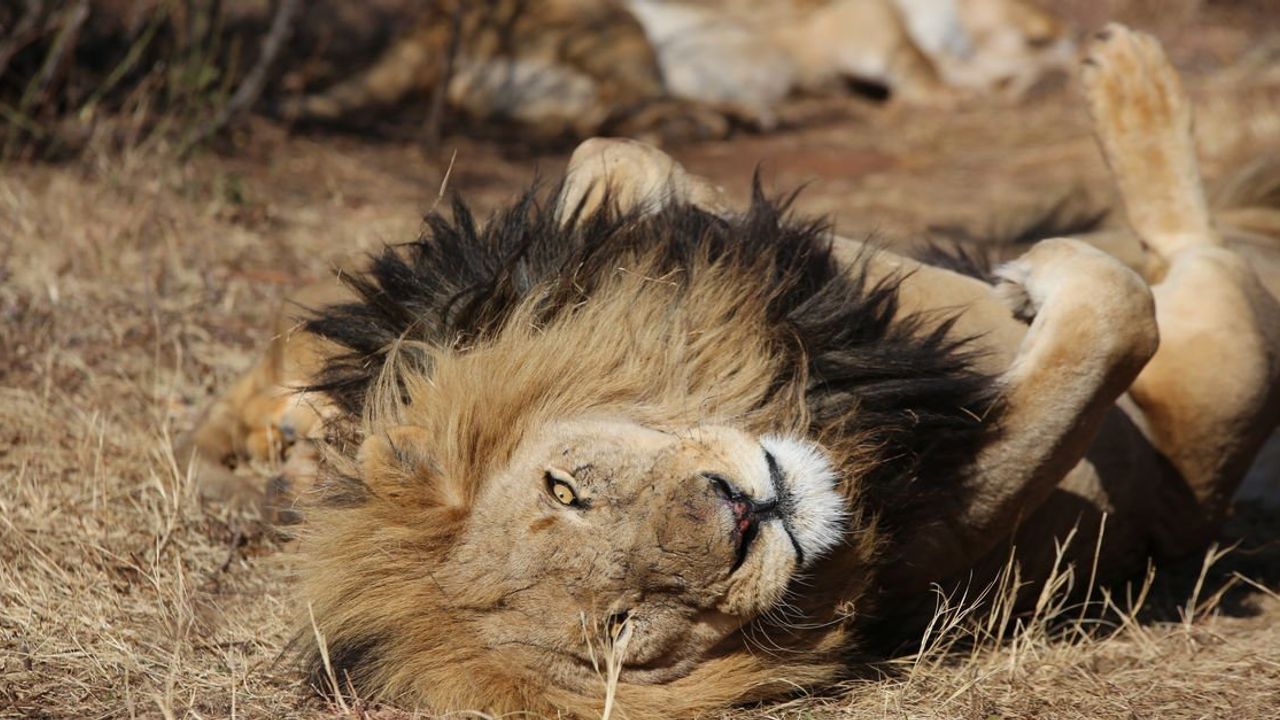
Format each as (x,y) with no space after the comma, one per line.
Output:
(672,322)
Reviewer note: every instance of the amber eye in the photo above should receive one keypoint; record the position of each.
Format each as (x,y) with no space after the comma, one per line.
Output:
(560,485)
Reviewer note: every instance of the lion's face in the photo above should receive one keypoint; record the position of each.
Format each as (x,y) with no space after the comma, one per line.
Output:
(664,543)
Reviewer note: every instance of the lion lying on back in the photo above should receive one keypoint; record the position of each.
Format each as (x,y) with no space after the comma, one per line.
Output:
(634,434)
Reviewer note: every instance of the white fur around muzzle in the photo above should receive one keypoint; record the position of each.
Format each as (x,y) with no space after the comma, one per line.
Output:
(817,516)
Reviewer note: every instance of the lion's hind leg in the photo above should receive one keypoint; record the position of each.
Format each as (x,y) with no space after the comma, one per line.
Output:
(1209,396)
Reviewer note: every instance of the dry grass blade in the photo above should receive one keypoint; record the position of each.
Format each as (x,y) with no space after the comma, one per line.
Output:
(619,637)
(1194,608)
(335,689)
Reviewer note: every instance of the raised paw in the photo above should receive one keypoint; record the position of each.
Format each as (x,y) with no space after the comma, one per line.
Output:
(1084,306)
(1026,283)
(1143,121)
(1062,270)
(1011,289)
(1133,92)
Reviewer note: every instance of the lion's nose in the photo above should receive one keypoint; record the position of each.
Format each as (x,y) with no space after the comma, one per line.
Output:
(733,496)
(745,514)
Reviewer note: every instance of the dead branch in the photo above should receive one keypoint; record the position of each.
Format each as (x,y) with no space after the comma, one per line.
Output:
(26,30)
(60,51)
(63,45)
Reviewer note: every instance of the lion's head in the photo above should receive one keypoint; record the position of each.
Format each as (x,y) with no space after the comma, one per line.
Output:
(604,530)
(624,456)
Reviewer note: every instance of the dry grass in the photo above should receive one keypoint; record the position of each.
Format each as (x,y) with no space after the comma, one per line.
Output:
(133,286)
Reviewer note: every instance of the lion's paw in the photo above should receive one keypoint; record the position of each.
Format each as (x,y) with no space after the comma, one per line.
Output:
(1143,117)
(1011,289)
(1081,297)
(1026,283)
(1132,89)
(1061,266)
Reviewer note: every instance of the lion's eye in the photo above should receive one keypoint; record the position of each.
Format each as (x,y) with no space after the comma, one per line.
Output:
(560,485)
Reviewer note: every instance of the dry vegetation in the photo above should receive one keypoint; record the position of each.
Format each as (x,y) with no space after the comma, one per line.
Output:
(133,285)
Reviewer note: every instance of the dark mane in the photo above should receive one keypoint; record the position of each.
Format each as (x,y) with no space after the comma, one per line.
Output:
(917,392)
(977,254)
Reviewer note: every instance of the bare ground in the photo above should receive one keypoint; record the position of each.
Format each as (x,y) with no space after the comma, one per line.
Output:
(133,287)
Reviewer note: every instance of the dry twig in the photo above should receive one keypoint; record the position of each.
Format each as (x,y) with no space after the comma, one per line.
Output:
(250,89)
(26,30)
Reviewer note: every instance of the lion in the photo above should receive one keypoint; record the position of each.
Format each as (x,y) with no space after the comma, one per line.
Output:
(746,56)
(635,450)
(554,68)
(678,70)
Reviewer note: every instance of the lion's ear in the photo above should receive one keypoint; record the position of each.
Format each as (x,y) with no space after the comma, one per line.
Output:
(396,462)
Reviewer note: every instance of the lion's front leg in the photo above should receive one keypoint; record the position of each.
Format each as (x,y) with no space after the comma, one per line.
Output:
(1092,329)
